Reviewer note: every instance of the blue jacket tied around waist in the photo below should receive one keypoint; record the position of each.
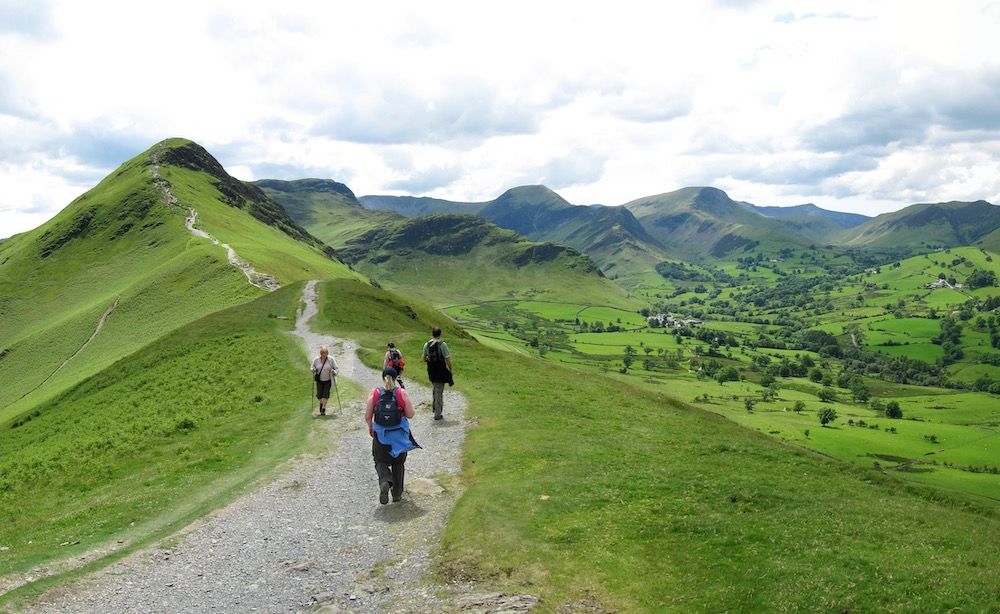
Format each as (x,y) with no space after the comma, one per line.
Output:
(396,437)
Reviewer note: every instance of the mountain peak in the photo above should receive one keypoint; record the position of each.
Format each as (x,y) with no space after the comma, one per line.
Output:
(534,194)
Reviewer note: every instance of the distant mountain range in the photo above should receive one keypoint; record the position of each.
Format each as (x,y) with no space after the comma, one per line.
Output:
(388,237)
(700,224)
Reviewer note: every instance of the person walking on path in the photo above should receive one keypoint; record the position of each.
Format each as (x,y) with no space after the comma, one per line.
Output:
(325,371)
(394,360)
(387,412)
(439,370)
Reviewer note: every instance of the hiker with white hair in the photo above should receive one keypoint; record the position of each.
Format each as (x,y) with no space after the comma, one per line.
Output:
(325,371)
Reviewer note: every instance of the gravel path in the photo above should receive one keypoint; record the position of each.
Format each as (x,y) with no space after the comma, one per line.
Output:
(314,540)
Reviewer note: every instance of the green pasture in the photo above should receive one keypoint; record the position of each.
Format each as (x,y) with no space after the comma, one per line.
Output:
(739,329)
(590,350)
(962,408)
(972,371)
(567,508)
(927,352)
(952,480)
(917,446)
(909,327)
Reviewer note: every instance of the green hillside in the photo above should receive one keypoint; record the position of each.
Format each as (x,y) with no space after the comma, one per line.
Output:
(926,226)
(627,499)
(119,260)
(329,210)
(700,223)
(443,259)
(413,206)
(155,439)
(609,235)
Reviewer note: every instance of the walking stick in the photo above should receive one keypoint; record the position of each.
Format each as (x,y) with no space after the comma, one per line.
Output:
(337,389)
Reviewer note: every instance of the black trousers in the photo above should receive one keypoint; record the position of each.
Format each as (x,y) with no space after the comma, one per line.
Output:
(389,469)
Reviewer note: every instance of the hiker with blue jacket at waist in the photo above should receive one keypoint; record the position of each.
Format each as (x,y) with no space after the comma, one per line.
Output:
(390,443)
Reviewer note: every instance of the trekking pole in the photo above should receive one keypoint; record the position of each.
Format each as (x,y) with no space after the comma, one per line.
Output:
(337,389)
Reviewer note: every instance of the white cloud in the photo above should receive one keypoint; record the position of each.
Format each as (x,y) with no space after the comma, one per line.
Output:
(867,109)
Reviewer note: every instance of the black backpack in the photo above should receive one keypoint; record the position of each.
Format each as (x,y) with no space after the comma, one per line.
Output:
(434,351)
(388,406)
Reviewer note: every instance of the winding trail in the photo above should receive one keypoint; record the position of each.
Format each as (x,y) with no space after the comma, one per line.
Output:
(261,280)
(97,329)
(314,539)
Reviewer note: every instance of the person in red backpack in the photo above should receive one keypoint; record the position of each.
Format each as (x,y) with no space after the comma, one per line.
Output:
(394,360)
(388,411)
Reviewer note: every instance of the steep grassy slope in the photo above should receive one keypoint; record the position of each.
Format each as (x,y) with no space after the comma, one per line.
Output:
(154,440)
(329,210)
(700,223)
(609,235)
(922,227)
(443,259)
(122,250)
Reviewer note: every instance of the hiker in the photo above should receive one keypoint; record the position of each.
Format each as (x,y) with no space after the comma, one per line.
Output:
(325,371)
(438,360)
(387,412)
(394,360)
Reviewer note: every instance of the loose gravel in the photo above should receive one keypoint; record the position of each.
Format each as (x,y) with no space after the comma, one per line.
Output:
(316,539)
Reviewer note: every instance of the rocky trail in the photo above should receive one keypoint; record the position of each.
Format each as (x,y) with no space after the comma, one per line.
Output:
(316,539)
(261,280)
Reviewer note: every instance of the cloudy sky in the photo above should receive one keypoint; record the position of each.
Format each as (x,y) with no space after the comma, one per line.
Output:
(860,106)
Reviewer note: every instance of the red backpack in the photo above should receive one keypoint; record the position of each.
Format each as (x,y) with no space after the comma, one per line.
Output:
(396,360)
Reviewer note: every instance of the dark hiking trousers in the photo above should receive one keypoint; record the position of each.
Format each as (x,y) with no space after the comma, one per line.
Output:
(389,469)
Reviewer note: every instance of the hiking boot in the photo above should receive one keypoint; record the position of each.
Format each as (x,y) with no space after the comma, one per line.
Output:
(322,411)
(439,417)
(383,492)
(397,499)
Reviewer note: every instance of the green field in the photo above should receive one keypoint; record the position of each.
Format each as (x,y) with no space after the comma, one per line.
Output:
(665,361)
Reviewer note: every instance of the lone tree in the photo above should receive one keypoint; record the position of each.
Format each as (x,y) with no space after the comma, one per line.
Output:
(728,374)
(827,415)
(892,410)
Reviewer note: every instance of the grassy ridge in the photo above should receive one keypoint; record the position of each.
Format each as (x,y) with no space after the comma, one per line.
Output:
(583,488)
(266,247)
(118,242)
(156,439)
(121,243)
